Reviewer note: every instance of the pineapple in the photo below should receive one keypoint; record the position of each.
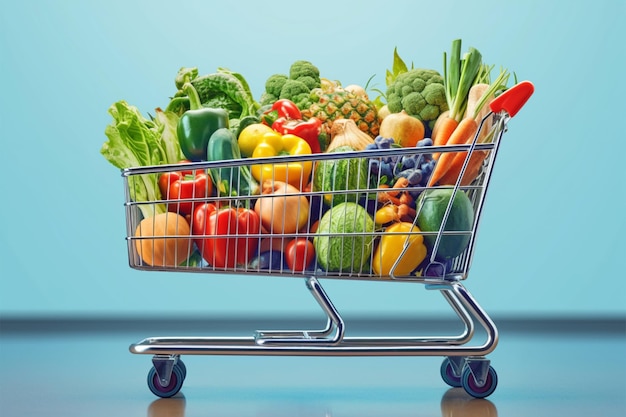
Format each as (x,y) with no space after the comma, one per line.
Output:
(331,102)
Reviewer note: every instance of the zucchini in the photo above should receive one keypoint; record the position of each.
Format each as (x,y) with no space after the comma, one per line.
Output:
(230,181)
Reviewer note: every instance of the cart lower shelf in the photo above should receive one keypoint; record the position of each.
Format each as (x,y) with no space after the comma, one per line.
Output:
(464,365)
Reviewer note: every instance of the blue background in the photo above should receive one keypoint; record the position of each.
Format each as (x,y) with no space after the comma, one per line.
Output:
(552,237)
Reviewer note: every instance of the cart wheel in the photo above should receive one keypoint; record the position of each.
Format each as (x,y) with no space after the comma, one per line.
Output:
(473,389)
(447,374)
(176,383)
(182,367)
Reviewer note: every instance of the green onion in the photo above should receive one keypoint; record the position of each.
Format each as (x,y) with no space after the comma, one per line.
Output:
(459,76)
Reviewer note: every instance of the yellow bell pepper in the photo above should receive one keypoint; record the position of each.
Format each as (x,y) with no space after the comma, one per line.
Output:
(391,245)
(274,144)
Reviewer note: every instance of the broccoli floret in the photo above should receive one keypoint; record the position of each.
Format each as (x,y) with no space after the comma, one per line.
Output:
(304,69)
(297,92)
(303,77)
(275,83)
(267,99)
(413,103)
(310,82)
(419,92)
(293,88)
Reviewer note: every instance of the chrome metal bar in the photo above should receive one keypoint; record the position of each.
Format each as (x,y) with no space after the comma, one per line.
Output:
(282,159)
(347,346)
(462,313)
(334,323)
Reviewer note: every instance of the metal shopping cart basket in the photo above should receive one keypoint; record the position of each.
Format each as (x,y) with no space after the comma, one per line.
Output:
(176,245)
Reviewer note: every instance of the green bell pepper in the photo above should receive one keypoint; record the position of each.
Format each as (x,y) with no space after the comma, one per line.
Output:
(197,124)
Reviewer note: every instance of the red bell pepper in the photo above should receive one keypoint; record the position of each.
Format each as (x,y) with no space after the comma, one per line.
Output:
(184,184)
(285,118)
(223,244)
(282,108)
(287,108)
(308,130)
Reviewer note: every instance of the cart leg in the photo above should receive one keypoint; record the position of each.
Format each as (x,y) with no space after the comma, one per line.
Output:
(463,314)
(332,334)
(469,311)
(463,295)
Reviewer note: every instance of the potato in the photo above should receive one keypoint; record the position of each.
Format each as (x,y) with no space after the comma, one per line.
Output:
(175,243)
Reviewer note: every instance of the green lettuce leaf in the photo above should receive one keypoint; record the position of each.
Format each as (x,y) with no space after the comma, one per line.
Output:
(166,123)
(133,141)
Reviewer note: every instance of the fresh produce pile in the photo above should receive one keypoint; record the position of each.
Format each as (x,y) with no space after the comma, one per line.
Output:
(281,206)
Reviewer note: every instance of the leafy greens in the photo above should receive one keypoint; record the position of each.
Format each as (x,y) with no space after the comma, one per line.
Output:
(134,141)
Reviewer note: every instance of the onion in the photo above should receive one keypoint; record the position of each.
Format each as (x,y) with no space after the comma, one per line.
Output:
(357,90)
(281,208)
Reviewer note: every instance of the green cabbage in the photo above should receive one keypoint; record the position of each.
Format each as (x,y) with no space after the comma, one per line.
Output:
(344,238)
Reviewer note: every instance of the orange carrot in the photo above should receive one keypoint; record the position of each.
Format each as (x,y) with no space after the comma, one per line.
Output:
(401,182)
(471,171)
(388,197)
(475,161)
(406,198)
(440,118)
(463,134)
(444,132)
(397,187)
(385,198)
(406,213)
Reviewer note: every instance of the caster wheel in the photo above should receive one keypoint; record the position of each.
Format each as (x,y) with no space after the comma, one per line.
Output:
(176,383)
(447,374)
(182,367)
(473,389)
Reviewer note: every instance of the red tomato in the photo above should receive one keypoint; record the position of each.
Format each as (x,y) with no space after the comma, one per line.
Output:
(299,254)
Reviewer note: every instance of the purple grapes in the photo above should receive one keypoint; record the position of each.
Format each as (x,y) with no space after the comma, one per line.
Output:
(415,168)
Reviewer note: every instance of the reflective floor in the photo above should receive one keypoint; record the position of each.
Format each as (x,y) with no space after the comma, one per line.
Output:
(90,372)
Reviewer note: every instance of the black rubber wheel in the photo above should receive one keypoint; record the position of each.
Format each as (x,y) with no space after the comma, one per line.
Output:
(182,366)
(473,389)
(176,383)
(447,374)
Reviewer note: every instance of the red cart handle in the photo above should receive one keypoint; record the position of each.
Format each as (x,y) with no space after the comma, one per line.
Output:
(513,99)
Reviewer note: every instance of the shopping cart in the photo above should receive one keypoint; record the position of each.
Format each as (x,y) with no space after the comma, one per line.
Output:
(465,363)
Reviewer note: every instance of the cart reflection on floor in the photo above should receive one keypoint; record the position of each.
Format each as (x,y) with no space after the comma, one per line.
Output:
(455,402)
